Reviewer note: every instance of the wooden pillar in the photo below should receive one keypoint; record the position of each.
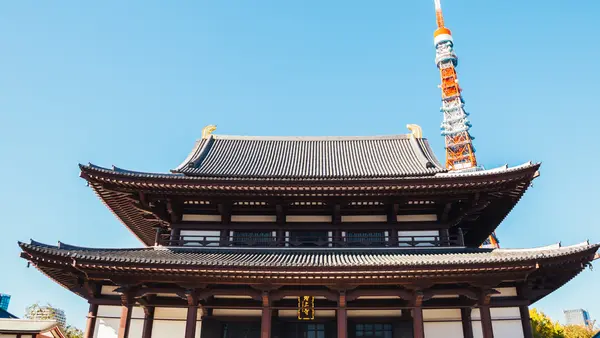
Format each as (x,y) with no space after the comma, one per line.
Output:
(418,327)
(148,321)
(175,237)
(157,239)
(280,237)
(486,321)
(90,325)
(417,314)
(445,237)
(190,323)
(342,316)
(467,323)
(192,313)
(265,322)
(125,321)
(461,237)
(526,321)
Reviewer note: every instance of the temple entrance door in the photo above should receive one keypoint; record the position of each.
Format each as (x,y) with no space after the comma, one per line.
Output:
(241,330)
(307,330)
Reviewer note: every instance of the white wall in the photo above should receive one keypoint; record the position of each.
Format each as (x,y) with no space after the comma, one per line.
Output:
(107,321)
(444,330)
(168,322)
(136,326)
(506,322)
(442,323)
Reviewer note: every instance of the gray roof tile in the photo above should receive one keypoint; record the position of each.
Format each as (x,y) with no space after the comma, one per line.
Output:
(308,257)
(311,157)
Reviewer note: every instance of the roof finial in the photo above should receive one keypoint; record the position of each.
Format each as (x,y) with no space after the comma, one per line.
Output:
(208,130)
(416,130)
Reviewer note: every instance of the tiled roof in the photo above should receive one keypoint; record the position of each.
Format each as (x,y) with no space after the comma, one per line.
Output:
(307,257)
(311,157)
(26,325)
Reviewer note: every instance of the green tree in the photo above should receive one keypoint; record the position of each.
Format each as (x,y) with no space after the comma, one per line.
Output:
(579,331)
(35,311)
(544,327)
(73,332)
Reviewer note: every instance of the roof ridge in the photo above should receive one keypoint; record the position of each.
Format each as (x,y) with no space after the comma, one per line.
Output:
(312,138)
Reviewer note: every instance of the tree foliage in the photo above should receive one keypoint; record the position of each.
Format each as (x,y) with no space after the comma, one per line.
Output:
(36,311)
(578,331)
(544,327)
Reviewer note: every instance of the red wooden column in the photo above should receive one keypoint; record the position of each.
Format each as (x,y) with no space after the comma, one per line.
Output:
(486,321)
(526,321)
(192,314)
(418,327)
(265,322)
(342,316)
(148,321)
(467,323)
(90,325)
(125,321)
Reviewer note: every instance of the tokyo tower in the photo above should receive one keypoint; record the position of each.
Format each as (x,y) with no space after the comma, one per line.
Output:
(460,153)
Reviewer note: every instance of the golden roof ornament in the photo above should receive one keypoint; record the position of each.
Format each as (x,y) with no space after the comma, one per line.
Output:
(416,130)
(208,130)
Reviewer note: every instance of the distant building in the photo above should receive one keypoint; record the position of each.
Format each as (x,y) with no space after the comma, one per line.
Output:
(6,314)
(577,317)
(4,301)
(49,313)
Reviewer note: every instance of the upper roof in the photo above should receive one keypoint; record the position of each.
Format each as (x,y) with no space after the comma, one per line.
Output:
(310,157)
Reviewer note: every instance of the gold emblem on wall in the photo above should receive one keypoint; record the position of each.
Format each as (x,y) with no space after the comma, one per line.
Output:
(306,307)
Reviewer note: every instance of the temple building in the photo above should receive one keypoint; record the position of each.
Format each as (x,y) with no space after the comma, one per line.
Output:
(310,237)
(316,237)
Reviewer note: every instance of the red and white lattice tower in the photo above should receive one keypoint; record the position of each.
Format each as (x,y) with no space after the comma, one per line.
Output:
(460,153)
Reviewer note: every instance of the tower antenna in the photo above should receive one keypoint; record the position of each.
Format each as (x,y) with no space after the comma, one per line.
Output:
(460,153)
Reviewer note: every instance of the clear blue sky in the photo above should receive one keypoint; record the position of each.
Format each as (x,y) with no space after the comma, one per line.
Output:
(133,83)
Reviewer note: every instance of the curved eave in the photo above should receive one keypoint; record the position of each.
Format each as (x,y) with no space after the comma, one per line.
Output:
(116,186)
(180,181)
(226,265)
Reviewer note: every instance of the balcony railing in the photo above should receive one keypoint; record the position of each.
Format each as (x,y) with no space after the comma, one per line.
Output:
(316,242)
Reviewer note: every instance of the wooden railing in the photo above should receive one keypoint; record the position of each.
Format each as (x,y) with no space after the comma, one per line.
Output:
(306,241)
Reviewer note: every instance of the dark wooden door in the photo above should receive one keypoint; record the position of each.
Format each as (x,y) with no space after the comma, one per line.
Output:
(241,330)
(307,330)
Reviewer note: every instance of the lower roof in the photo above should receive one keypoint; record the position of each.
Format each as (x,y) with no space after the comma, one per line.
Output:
(73,267)
(305,257)
(27,326)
